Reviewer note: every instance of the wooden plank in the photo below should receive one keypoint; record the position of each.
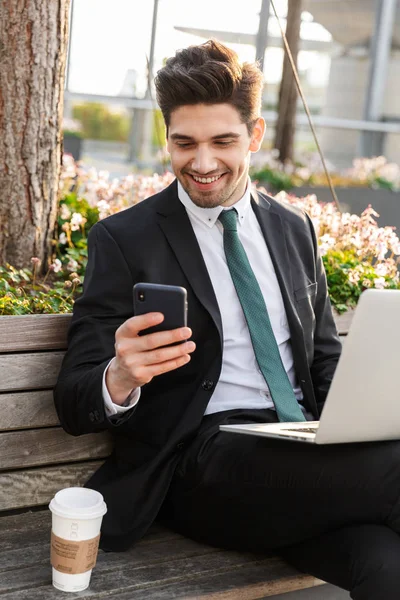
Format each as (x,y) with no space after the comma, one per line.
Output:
(29,371)
(248,583)
(35,487)
(36,447)
(26,410)
(34,332)
(32,527)
(127,577)
(343,321)
(151,550)
(49,332)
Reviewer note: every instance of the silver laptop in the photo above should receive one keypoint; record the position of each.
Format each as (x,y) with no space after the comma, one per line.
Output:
(363,402)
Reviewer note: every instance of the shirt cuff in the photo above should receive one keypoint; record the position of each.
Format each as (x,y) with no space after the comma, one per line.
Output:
(110,407)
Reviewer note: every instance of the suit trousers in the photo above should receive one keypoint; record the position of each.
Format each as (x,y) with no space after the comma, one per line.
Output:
(331,511)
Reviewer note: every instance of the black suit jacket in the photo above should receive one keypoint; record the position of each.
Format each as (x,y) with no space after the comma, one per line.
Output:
(155,242)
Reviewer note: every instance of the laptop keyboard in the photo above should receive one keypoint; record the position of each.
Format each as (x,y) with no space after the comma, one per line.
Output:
(305,429)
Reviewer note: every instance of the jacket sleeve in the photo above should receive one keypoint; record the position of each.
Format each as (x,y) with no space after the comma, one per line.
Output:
(327,344)
(106,302)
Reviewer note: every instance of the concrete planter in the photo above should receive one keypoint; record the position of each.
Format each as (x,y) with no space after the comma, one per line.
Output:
(73,145)
(356,200)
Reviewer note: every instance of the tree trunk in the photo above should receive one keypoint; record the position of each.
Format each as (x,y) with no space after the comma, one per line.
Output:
(33,44)
(286,124)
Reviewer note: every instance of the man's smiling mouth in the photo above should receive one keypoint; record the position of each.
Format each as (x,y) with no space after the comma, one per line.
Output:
(205,180)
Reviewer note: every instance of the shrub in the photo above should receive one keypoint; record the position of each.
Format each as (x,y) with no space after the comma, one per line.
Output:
(99,123)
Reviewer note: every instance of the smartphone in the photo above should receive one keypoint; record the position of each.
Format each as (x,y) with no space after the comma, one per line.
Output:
(170,300)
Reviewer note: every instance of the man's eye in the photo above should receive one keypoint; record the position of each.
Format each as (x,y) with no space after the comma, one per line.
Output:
(220,143)
(185,145)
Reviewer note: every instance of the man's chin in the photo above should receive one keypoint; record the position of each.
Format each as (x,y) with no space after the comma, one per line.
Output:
(206,198)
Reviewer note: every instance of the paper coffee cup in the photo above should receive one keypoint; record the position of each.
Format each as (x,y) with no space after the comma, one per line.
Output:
(75,533)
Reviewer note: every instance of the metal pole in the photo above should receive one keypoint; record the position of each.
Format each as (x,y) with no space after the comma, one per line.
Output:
(262,35)
(141,126)
(68,102)
(152,44)
(71,20)
(380,56)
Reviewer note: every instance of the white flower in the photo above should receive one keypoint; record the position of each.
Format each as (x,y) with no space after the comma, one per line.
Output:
(354,277)
(72,265)
(76,221)
(104,209)
(57,265)
(62,238)
(65,212)
(379,282)
(381,269)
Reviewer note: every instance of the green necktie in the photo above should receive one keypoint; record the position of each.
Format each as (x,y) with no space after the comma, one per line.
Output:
(262,336)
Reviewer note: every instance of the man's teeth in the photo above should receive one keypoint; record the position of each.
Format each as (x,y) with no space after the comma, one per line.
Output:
(206,179)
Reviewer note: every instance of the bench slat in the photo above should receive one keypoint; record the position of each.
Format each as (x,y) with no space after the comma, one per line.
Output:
(32,528)
(36,447)
(156,547)
(233,585)
(186,578)
(33,332)
(26,410)
(36,487)
(29,371)
(49,332)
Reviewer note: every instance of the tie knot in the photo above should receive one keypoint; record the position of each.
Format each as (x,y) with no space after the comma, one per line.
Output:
(228,219)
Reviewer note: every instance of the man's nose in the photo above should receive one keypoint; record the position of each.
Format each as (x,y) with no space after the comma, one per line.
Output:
(204,162)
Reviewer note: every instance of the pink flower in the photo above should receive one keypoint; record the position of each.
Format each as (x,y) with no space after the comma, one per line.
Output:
(56,266)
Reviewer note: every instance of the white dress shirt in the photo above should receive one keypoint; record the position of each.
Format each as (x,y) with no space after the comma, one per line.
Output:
(241,383)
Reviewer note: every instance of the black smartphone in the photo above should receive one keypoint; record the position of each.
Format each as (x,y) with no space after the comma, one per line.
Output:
(170,300)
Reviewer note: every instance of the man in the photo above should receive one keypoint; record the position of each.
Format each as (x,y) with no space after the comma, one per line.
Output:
(262,347)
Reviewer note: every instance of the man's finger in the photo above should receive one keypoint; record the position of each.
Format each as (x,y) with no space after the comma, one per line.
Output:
(167,366)
(131,327)
(164,338)
(161,355)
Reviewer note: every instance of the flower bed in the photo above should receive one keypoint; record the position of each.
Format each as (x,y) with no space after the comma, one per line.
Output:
(357,254)
(375,173)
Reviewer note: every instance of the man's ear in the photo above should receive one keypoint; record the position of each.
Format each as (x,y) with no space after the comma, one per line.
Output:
(258,135)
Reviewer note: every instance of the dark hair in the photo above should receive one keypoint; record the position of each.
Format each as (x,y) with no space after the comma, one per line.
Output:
(210,74)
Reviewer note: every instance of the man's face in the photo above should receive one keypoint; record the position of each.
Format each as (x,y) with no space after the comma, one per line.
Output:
(210,152)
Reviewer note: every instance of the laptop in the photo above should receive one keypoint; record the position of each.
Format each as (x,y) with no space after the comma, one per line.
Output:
(363,402)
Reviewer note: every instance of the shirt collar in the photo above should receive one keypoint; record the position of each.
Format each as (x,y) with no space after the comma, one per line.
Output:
(209,216)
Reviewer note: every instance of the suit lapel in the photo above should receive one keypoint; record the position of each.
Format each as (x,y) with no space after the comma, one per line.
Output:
(275,238)
(175,223)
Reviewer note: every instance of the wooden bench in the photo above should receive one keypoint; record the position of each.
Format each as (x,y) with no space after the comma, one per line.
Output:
(38,458)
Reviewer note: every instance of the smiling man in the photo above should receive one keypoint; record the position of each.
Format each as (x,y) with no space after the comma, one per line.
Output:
(262,347)
(210,152)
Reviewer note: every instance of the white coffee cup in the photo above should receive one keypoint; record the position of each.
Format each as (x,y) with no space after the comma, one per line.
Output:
(77,514)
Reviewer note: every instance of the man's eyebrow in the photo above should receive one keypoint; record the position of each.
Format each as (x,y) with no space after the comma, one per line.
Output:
(221,136)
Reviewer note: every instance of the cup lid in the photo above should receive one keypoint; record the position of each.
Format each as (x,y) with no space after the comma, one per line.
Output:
(78,503)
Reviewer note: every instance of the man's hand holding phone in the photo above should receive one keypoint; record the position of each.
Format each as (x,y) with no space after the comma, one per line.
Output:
(139,358)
